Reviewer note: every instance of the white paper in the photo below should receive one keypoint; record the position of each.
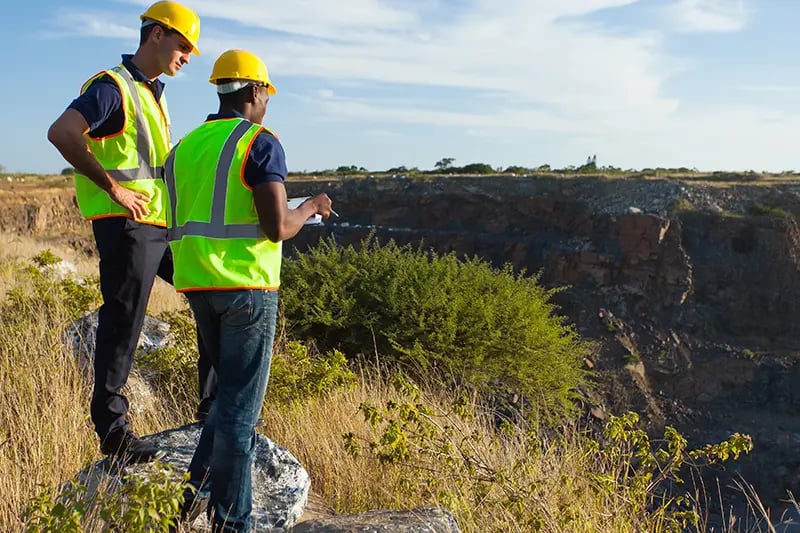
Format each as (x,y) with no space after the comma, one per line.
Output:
(294,203)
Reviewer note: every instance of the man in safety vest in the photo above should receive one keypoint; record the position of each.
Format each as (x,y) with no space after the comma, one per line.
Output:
(227,216)
(116,135)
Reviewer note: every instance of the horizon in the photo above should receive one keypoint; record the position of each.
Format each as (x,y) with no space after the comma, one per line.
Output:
(705,84)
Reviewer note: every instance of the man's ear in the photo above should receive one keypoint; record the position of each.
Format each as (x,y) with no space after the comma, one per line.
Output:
(157,33)
(252,94)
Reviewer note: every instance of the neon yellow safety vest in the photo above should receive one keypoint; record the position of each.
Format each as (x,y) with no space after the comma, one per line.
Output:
(213,229)
(133,156)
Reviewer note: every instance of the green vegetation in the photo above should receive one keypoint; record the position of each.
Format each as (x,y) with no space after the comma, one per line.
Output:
(759,209)
(147,502)
(682,204)
(462,318)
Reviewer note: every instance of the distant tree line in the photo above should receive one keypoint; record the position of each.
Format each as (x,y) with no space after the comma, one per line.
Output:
(447,165)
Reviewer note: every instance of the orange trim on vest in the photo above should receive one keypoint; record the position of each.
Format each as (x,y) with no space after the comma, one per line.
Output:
(198,289)
(244,160)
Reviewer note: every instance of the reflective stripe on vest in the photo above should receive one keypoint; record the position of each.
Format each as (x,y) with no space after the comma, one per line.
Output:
(213,227)
(216,228)
(143,124)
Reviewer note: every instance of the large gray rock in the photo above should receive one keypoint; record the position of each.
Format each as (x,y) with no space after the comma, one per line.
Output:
(81,334)
(280,483)
(79,337)
(420,520)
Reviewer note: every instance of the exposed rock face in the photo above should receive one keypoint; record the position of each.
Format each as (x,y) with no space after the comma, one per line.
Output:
(280,483)
(37,210)
(421,520)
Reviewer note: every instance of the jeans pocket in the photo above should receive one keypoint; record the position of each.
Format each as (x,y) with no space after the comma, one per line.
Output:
(239,307)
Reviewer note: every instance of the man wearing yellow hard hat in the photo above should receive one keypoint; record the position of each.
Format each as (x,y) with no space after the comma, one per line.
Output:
(116,136)
(227,216)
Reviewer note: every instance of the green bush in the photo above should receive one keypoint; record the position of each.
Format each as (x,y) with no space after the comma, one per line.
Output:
(484,326)
(38,293)
(761,210)
(299,373)
(144,502)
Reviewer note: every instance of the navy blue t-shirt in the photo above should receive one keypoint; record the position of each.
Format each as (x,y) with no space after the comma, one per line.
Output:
(101,103)
(267,160)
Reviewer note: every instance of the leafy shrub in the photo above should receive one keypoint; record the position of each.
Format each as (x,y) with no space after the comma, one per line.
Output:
(767,210)
(299,373)
(145,502)
(40,293)
(483,325)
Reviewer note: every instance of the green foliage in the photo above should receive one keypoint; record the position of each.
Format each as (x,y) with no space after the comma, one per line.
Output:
(62,513)
(299,373)
(639,468)
(39,294)
(759,210)
(145,502)
(682,204)
(446,462)
(445,163)
(351,169)
(436,313)
(476,168)
(516,169)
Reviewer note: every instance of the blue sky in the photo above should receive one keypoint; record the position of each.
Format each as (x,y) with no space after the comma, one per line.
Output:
(712,84)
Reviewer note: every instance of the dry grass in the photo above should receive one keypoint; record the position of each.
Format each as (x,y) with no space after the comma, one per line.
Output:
(314,433)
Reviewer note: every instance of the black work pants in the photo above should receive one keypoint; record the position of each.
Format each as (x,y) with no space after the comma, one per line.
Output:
(131,256)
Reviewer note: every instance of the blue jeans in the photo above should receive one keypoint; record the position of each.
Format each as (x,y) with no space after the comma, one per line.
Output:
(236,328)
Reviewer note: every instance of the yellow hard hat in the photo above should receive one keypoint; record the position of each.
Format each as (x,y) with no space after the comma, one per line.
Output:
(241,65)
(177,17)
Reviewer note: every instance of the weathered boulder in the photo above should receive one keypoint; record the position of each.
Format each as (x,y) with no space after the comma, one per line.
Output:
(280,483)
(420,520)
(80,338)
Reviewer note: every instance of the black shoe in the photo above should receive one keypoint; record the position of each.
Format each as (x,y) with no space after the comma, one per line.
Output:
(125,445)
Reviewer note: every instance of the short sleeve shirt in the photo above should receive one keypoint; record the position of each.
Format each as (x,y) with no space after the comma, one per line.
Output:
(101,103)
(266,161)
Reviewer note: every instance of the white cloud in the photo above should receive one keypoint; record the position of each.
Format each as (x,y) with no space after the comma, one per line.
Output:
(90,23)
(708,15)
